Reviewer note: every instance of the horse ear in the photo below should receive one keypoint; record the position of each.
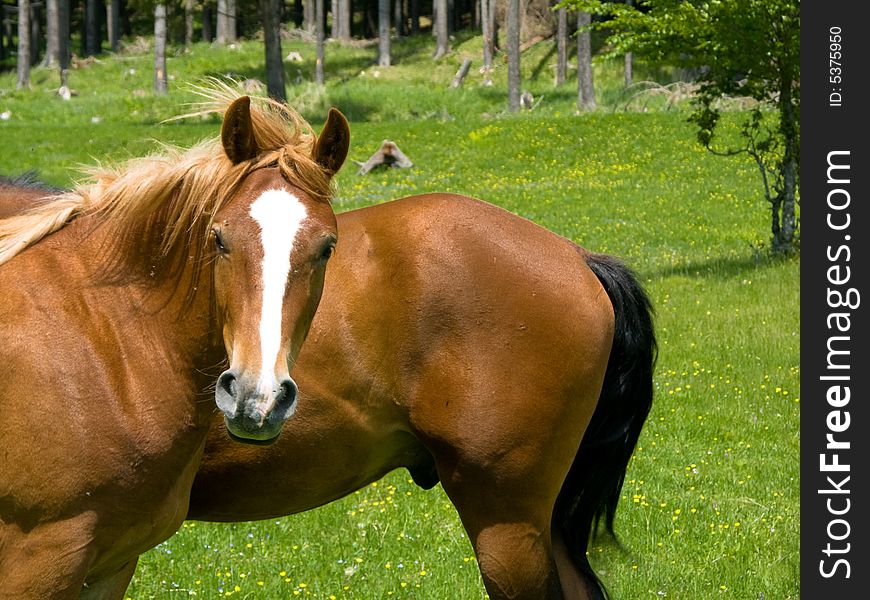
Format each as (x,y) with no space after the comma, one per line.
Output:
(332,144)
(237,131)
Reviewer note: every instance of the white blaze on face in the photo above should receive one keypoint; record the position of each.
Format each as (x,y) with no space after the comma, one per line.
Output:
(280,216)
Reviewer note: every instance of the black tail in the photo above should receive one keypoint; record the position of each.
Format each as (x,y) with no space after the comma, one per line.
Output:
(593,485)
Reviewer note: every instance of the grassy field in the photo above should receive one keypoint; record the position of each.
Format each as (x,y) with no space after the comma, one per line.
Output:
(710,506)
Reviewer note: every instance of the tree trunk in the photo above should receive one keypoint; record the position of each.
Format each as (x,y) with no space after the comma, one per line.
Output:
(513,51)
(23,44)
(784,239)
(35,32)
(320,34)
(126,27)
(161,86)
(585,88)
(270,14)
(562,46)
(232,25)
(188,23)
(345,10)
(493,4)
(442,43)
(83,27)
(63,41)
(333,10)
(297,12)
(415,17)
(345,14)
(486,27)
(92,28)
(384,33)
(628,75)
(113,22)
(399,18)
(226,21)
(775,226)
(335,31)
(207,16)
(51,33)
(309,16)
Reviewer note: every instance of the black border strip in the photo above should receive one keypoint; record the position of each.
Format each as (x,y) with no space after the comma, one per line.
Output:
(835,258)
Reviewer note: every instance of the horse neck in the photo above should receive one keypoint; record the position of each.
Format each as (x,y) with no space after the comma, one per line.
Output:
(178,303)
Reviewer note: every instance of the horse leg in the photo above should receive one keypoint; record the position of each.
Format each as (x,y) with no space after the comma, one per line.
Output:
(42,564)
(575,583)
(519,554)
(512,542)
(505,474)
(111,587)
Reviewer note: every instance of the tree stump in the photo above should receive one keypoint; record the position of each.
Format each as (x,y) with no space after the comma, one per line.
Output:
(387,155)
(527,101)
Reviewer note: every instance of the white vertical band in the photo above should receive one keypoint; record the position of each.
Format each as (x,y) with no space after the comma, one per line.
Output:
(280,215)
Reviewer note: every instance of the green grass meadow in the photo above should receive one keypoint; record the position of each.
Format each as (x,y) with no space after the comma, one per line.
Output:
(711,503)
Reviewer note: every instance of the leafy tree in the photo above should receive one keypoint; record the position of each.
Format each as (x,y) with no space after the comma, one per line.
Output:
(741,48)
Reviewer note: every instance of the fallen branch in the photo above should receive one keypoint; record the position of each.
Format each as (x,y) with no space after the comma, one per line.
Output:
(534,41)
(529,43)
(461,73)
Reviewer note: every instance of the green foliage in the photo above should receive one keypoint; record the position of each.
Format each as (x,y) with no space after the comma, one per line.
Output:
(353,82)
(737,48)
(711,503)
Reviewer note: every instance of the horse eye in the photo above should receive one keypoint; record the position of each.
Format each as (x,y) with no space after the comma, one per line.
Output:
(219,242)
(327,252)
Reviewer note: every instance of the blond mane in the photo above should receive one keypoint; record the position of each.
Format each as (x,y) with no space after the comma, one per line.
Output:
(170,198)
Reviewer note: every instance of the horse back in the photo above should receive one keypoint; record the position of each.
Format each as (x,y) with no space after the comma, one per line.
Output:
(463,258)
(471,314)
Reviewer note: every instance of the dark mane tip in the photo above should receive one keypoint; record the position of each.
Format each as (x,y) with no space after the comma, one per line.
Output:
(28,180)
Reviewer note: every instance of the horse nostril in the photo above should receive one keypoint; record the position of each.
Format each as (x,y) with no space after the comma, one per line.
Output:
(227,382)
(225,392)
(288,392)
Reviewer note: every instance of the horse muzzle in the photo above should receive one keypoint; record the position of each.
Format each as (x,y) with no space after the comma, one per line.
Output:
(255,412)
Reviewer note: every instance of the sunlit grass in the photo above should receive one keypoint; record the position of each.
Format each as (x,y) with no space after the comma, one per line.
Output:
(710,505)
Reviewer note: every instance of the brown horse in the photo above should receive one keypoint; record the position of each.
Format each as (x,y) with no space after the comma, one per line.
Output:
(466,345)
(473,347)
(118,302)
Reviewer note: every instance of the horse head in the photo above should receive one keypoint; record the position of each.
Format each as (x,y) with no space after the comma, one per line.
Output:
(272,240)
